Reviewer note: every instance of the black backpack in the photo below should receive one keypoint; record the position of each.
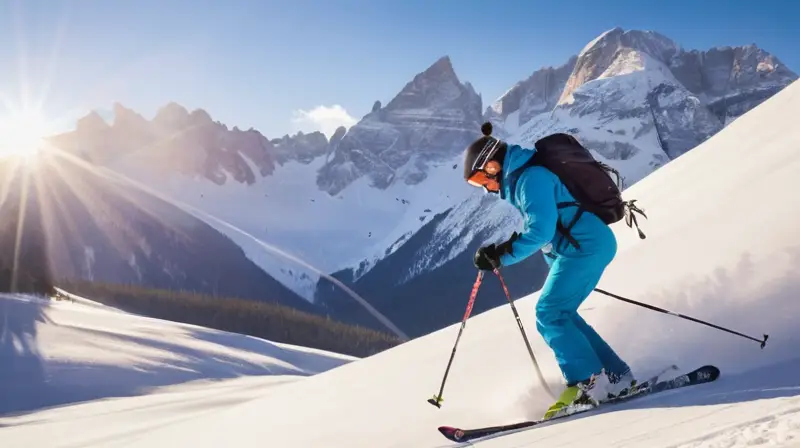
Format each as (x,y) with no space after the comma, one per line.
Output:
(587,179)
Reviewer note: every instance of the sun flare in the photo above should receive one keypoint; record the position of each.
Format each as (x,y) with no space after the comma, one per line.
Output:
(21,134)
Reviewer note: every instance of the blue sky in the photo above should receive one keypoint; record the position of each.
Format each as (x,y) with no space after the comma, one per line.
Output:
(261,63)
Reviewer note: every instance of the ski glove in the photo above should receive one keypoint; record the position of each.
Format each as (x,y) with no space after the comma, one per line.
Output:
(488,257)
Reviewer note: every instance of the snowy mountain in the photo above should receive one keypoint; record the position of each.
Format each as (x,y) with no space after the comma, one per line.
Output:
(195,164)
(638,99)
(537,94)
(371,186)
(431,120)
(703,257)
(623,96)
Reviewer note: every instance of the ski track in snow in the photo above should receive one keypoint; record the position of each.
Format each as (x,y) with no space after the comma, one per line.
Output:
(721,247)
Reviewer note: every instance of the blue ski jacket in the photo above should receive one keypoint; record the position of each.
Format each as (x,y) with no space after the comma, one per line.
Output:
(535,192)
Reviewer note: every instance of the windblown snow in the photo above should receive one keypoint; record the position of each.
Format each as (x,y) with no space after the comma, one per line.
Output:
(721,246)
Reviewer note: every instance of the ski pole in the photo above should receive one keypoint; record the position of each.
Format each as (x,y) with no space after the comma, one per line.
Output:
(655,308)
(524,336)
(437,399)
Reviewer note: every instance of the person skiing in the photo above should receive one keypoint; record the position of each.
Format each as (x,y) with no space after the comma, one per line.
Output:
(577,259)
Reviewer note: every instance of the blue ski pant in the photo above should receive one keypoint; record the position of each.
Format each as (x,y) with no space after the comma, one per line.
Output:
(579,350)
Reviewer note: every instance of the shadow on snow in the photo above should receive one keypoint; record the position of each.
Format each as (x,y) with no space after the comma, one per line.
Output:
(29,383)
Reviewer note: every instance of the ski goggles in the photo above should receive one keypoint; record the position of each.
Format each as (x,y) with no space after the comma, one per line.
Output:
(489,183)
(481,179)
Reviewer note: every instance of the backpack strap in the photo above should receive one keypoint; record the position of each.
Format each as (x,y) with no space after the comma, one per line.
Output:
(565,230)
(561,228)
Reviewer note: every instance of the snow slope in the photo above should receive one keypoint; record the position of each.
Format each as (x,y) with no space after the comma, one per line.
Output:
(62,352)
(722,246)
(296,220)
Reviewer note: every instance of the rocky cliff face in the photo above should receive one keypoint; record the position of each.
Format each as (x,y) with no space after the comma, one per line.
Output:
(176,140)
(432,118)
(536,95)
(731,80)
(603,52)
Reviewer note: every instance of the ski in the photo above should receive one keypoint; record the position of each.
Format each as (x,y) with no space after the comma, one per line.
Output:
(702,375)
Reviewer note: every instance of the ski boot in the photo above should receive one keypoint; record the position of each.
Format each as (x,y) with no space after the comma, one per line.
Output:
(585,394)
(621,385)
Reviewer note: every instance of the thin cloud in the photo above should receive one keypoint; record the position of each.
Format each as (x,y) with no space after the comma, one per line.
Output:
(322,118)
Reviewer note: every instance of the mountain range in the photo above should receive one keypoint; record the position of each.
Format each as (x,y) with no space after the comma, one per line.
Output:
(380,207)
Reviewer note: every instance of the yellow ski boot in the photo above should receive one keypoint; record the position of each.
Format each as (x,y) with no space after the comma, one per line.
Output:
(576,397)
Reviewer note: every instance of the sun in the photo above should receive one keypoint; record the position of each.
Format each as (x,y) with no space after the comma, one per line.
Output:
(22,134)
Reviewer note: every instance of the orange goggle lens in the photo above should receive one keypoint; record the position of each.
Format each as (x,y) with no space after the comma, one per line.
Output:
(480,179)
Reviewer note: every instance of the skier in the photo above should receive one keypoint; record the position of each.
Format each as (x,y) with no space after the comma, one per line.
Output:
(577,259)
